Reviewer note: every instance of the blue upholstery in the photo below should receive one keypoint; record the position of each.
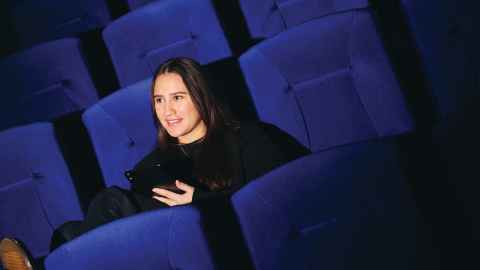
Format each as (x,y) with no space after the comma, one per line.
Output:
(122,130)
(39,21)
(144,38)
(265,18)
(170,238)
(44,82)
(36,190)
(344,208)
(134,4)
(327,82)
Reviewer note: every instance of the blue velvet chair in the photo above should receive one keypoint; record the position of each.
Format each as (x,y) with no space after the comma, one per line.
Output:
(44,82)
(266,18)
(348,207)
(170,238)
(139,41)
(36,190)
(331,79)
(122,131)
(39,21)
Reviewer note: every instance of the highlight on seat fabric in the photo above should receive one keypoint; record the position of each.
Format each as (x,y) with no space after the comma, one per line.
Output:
(122,129)
(265,18)
(44,82)
(36,191)
(134,4)
(327,82)
(344,208)
(142,39)
(39,21)
(169,238)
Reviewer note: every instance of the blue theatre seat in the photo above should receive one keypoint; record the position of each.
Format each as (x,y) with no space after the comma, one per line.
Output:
(144,38)
(121,127)
(36,190)
(327,82)
(44,82)
(39,21)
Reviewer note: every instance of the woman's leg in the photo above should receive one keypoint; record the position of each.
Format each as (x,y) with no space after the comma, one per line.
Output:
(110,204)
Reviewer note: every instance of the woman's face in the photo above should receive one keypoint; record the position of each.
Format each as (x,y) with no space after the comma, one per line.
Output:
(175,109)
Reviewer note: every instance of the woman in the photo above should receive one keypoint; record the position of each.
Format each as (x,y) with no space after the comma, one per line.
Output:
(224,155)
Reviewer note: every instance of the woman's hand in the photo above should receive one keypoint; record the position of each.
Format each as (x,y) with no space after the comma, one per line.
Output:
(171,198)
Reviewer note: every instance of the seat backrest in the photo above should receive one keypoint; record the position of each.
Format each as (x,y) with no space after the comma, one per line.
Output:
(44,82)
(265,18)
(144,38)
(344,208)
(40,21)
(327,82)
(36,190)
(121,127)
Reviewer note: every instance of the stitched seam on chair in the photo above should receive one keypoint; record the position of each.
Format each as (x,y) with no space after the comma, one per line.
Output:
(42,206)
(17,183)
(71,21)
(306,230)
(350,52)
(155,50)
(289,84)
(47,89)
(130,138)
(284,22)
(302,115)
(324,77)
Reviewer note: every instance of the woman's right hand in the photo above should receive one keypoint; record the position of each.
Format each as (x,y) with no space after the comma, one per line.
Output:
(171,198)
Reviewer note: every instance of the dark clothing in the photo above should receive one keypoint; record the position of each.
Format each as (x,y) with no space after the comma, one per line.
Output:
(254,149)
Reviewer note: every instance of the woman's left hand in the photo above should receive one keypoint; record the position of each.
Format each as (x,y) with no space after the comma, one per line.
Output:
(171,198)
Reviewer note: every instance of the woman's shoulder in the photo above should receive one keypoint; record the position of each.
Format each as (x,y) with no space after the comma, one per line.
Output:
(255,132)
(247,129)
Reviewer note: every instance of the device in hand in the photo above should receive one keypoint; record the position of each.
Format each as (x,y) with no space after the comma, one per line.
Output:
(160,176)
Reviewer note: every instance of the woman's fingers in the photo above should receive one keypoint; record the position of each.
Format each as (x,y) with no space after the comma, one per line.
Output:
(171,198)
(166,193)
(183,186)
(166,201)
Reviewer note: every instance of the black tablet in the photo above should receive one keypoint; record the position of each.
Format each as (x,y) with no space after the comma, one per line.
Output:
(162,175)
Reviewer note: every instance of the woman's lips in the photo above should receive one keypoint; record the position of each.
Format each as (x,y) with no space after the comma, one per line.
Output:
(173,122)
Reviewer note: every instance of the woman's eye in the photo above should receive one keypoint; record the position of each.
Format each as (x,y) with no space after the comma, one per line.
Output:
(158,100)
(178,97)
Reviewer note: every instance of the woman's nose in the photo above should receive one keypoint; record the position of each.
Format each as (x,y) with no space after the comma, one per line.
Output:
(169,109)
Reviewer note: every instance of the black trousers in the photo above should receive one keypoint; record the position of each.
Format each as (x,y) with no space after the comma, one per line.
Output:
(110,204)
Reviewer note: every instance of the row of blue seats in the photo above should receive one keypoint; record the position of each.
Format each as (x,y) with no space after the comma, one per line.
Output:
(137,42)
(328,82)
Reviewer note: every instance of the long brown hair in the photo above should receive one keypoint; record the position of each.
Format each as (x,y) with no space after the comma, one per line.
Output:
(213,166)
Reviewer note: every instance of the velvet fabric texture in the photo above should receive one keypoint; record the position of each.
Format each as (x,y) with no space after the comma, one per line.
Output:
(36,190)
(122,131)
(334,84)
(146,37)
(344,208)
(266,18)
(44,82)
(39,21)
